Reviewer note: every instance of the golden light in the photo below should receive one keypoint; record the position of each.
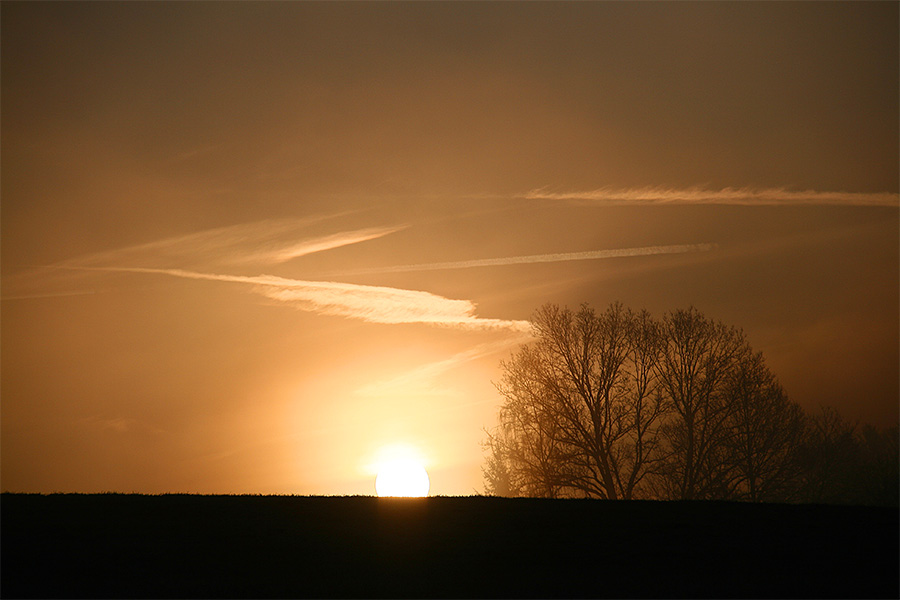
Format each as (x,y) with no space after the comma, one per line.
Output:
(401,473)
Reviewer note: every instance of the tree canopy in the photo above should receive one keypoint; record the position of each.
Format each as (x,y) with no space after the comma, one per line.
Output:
(620,405)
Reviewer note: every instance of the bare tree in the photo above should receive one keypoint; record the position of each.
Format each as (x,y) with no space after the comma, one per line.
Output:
(618,405)
(581,403)
(642,453)
(879,472)
(498,478)
(829,453)
(766,431)
(527,455)
(697,358)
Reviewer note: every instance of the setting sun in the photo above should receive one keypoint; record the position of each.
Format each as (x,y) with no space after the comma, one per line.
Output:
(400,472)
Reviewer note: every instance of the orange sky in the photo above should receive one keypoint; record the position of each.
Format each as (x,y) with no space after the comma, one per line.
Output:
(246,246)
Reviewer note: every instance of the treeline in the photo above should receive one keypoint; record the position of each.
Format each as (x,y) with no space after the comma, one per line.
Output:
(621,405)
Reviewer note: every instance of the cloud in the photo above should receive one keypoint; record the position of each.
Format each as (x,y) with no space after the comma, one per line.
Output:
(730,196)
(268,242)
(280,253)
(262,242)
(375,304)
(540,258)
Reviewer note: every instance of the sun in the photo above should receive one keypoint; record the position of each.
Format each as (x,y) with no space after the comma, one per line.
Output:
(401,475)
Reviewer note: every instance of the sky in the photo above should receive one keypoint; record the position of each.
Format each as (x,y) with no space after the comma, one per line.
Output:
(255,247)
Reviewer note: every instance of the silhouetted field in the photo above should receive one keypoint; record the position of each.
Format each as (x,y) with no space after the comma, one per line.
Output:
(114,545)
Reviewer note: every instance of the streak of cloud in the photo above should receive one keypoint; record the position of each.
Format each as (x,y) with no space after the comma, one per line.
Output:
(375,304)
(540,258)
(263,242)
(729,196)
(267,242)
(287,252)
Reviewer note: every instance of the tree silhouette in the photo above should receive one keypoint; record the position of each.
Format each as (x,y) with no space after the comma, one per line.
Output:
(766,431)
(879,471)
(843,463)
(581,405)
(697,365)
(829,455)
(619,405)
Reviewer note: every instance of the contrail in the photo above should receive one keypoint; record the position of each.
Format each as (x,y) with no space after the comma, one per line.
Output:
(375,304)
(285,251)
(539,258)
(727,196)
(258,243)
(262,242)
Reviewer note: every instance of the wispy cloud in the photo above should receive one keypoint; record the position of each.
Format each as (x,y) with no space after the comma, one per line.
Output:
(262,242)
(730,196)
(268,242)
(283,252)
(375,304)
(539,258)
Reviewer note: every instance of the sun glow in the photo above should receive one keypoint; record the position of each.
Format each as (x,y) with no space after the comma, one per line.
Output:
(400,472)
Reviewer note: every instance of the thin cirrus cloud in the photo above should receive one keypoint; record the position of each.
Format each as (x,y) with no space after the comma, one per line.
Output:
(268,242)
(727,196)
(273,242)
(375,304)
(539,258)
(286,252)
(262,242)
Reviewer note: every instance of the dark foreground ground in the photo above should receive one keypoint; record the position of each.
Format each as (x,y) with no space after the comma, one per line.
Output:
(280,546)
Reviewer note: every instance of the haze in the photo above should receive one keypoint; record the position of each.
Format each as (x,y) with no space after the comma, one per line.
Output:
(246,246)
